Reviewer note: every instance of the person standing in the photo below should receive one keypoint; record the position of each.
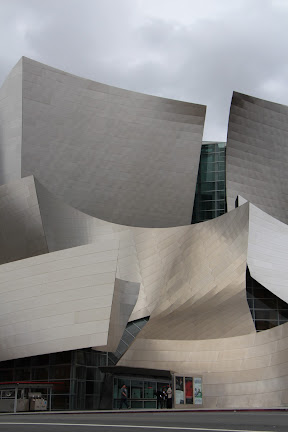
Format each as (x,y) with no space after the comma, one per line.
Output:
(169,396)
(159,398)
(124,397)
(164,398)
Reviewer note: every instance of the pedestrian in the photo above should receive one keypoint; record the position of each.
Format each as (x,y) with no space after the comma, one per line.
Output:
(159,398)
(169,397)
(164,397)
(124,397)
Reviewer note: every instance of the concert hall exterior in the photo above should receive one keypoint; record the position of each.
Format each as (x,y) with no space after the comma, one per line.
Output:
(104,280)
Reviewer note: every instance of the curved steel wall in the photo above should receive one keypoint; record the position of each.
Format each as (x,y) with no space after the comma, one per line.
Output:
(160,259)
(11,126)
(240,372)
(121,156)
(203,293)
(268,252)
(133,159)
(257,155)
(21,230)
(64,300)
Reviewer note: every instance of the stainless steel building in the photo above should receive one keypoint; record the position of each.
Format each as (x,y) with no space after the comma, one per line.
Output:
(100,266)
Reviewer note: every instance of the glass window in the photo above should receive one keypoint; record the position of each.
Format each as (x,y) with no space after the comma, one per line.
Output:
(221,196)
(61,357)
(208,205)
(81,372)
(221,175)
(220,205)
(207,167)
(265,303)
(282,304)
(206,158)
(206,215)
(136,389)
(206,187)
(80,388)
(149,390)
(208,176)
(57,372)
(207,196)
(6,375)
(283,314)
(122,347)
(39,373)
(250,302)
(61,387)
(264,325)
(137,404)
(80,357)
(150,404)
(133,329)
(92,387)
(22,374)
(221,185)
(22,362)
(262,293)
(41,360)
(265,314)
(93,374)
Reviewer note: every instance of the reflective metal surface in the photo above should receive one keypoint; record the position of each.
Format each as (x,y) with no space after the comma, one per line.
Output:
(11,126)
(268,252)
(239,372)
(257,154)
(118,155)
(71,280)
(160,259)
(63,300)
(21,230)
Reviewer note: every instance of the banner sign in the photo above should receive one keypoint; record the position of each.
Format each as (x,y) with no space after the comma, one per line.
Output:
(198,391)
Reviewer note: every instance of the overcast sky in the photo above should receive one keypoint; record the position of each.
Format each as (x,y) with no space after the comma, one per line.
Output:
(193,50)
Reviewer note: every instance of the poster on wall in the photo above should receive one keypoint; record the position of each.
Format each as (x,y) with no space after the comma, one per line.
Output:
(198,391)
(179,391)
(189,390)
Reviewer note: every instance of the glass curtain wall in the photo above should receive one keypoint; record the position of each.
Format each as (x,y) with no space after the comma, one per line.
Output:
(266,308)
(131,331)
(210,195)
(75,374)
(142,393)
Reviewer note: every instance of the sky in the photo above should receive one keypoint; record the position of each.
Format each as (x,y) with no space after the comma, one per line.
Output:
(190,50)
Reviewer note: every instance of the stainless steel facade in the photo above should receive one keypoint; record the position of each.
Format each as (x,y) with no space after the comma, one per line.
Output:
(240,372)
(99,188)
(257,155)
(117,155)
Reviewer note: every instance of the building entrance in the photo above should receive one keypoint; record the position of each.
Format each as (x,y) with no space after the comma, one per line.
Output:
(142,393)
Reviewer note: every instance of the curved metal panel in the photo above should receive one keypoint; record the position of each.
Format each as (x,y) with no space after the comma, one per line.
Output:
(268,252)
(240,372)
(117,155)
(200,275)
(21,230)
(182,266)
(11,126)
(124,299)
(257,155)
(63,300)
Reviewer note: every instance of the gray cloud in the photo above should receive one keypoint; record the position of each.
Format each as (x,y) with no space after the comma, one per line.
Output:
(183,50)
